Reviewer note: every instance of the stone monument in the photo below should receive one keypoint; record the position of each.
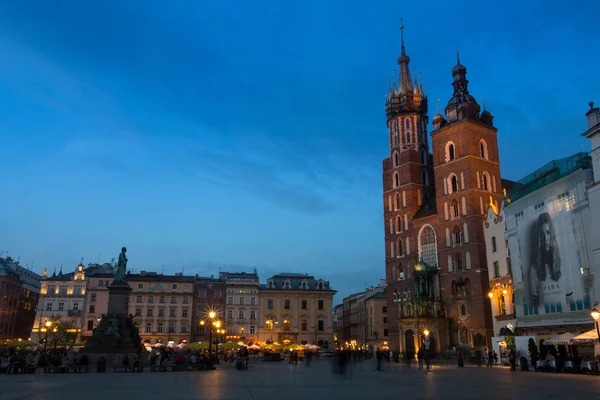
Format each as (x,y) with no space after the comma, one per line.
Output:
(116,335)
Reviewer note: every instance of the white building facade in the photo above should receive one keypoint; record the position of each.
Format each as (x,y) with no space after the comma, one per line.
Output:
(593,190)
(548,226)
(500,274)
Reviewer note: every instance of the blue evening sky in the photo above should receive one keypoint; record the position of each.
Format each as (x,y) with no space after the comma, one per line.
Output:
(251,133)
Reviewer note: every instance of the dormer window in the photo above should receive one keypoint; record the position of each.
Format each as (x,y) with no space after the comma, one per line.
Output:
(320,285)
(287,285)
(304,285)
(270,284)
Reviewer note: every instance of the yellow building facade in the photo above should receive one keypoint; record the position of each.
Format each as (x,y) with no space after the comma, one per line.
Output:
(162,306)
(296,308)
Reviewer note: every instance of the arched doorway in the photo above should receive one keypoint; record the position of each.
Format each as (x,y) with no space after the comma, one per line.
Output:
(409,342)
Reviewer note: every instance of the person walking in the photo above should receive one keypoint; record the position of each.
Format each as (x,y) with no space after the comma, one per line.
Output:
(420,358)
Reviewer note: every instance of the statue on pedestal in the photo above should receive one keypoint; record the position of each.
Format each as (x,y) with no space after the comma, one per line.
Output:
(121,265)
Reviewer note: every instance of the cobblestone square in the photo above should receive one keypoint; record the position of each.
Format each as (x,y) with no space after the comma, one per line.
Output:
(280,380)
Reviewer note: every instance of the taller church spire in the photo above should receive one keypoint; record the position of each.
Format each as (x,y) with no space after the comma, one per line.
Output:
(403,99)
(405,84)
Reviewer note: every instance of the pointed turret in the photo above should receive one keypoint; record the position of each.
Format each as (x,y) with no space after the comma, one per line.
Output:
(405,83)
(405,98)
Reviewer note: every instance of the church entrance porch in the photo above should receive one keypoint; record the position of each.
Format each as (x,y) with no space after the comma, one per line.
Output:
(431,334)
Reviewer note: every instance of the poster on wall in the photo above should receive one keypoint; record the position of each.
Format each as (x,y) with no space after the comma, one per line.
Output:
(552,251)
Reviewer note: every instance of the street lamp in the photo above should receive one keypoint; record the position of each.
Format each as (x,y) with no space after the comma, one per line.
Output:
(48,325)
(211,317)
(596,315)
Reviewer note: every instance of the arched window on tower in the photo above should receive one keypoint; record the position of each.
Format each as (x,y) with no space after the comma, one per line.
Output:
(449,151)
(485,181)
(453,184)
(408,137)
(458,262)
(400,248)
(398,224)
(396,159)
(407,123)
(457,236)
(427,246)
(455,209)
(396,179)
(483,149)
(398,201)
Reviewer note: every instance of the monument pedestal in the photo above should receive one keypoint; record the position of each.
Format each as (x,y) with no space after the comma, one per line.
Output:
(115,336)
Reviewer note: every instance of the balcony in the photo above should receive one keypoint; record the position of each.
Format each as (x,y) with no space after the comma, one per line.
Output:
(420,308)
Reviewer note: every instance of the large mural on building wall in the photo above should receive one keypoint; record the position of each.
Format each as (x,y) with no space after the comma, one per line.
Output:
(552,257)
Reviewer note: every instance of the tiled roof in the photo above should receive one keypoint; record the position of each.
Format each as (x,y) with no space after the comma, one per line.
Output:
(428,208)
(154,277)
(295,282)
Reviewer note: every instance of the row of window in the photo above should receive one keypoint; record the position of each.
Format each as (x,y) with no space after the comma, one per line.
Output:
(451,151)
(396,182)
(61,306)
(160,328)
(396,158)
(64,290)
(484,182)
(303,304)
(141,286)
(216,293)
(397,248)
(241,314)
(288,285)
(242,301)
(162,299)
(161,312)
(287,327)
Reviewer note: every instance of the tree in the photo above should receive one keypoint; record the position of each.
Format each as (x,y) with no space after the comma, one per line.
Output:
(533,352)
(61,333)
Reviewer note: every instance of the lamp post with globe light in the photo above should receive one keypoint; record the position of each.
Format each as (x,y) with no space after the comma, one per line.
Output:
(211,316)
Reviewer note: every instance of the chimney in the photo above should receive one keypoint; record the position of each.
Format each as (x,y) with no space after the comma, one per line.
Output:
(593,115)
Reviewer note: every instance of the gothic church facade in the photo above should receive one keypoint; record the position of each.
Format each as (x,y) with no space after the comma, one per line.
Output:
(435,199)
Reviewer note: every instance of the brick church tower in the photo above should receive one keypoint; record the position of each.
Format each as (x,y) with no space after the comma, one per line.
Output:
(434,211)
(407,176)
(467,178)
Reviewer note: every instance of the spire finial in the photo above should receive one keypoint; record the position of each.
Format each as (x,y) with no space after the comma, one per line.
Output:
(402,33)
(484,103)
(438,105)
(457,57)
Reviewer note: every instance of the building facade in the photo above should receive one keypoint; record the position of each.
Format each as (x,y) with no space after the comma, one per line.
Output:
(99,277)
(10,293)
(296,308)
(242,307)
(436,265)
(27,292)
(501,294)
(548,223)
(351,326)
(373,318)
(338,325)
(62,298)
(593,192)
(161,306)
(209,295)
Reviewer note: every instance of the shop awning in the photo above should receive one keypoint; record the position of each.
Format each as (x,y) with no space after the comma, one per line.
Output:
(587,337)
(565,339)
